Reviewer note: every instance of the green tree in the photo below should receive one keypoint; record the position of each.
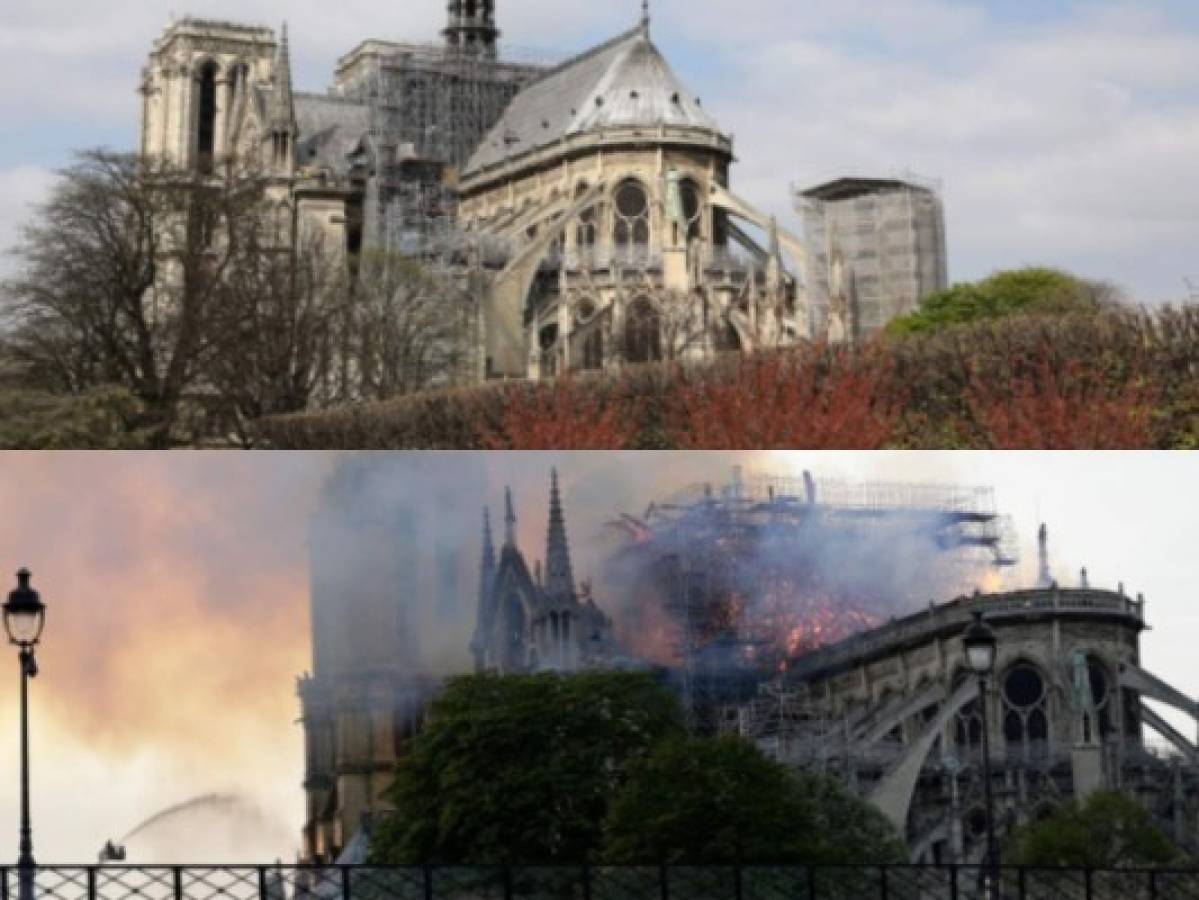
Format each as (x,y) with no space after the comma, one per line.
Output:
(700,801)
(1109,830)
(1037,291)
(521,769)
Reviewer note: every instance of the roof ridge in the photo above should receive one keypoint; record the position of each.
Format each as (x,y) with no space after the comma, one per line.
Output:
(587,54)
(331,98)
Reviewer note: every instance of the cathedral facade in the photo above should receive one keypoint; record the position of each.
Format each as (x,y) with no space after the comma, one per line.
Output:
(587,206)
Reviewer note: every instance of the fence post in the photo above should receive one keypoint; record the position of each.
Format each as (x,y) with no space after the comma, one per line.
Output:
(737,881)
(882,882)
(1152,885)
(428,882)
(1087,875)
(507,882)
(664,879)
(346,886)
(91,883)
(811,883)
(262,882)
(1021,874)
(177,879)
(3,882)
(586,881)
(953,881)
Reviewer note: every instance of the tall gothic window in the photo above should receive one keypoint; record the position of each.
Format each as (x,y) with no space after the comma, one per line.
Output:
(206,121)
(1025,716)
(967,724)
(1101,691)
(643,337)
(692,210)
(631,226)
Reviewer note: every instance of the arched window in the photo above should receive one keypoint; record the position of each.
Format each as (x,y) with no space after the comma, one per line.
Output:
(631,225)
(692,210)
(514,633)
(587,230)
(967,723)
(1025,719)
(1101,692)
(643,336)
(206,117)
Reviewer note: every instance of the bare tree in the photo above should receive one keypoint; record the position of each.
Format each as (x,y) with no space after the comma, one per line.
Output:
(410,328)
(282,347)
(122,280)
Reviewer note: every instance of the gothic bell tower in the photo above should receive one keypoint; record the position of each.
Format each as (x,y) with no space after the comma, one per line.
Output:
(470,29)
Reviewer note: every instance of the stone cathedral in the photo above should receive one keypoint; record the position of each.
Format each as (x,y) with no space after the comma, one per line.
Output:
(588,205)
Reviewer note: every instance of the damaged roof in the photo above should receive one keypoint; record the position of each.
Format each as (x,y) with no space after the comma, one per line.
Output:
(624,82)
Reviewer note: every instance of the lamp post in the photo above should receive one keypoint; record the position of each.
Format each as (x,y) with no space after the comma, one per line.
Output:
(24,617)
(979,641)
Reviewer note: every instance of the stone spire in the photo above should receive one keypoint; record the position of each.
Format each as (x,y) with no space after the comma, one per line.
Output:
(559,580)
(645,16)
(487,565)
(509,519)
(283,107)
(1044,576)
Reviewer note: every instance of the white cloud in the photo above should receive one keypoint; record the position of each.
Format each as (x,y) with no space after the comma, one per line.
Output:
(1071,144)
(1067,140)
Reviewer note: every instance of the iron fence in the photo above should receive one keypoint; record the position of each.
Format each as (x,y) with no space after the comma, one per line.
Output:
(856,882)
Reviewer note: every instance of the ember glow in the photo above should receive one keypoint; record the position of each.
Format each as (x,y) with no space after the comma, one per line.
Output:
(754,576)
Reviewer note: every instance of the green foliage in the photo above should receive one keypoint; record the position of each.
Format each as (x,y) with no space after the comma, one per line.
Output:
(719,801)
(1033,290)
(100,419)
(1110,830)
(521,769)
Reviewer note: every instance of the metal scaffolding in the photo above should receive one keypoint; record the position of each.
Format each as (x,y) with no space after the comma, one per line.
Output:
(747,577)
(428,108)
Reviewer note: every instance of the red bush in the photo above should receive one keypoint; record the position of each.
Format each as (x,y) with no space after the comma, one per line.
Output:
(562,416)
(815,399)
(1065,406)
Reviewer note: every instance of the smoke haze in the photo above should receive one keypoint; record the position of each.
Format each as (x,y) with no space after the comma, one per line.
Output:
(178,592)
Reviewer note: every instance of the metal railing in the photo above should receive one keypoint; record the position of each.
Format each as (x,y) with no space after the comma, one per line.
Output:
(790,882)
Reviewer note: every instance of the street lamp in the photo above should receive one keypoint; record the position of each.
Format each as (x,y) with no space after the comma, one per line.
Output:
(24,618)
(979,641)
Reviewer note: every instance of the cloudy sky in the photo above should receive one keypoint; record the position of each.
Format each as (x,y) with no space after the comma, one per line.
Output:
(177,589)
(1064,132)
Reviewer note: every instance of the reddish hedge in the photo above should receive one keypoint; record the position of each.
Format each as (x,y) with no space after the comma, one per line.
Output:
(1118,379)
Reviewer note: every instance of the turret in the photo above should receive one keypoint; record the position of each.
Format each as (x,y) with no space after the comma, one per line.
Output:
(471,29)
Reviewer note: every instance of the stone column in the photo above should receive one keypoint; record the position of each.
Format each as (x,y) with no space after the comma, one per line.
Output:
(224,104)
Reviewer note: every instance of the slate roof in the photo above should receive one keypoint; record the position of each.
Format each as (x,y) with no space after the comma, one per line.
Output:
(624,82)
(330,129)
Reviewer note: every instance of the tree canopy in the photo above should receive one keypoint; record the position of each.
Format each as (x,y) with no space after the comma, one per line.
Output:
(1040,291)
(706,801)
(1109,830)
(521,769)
(211,305)
(596,767)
